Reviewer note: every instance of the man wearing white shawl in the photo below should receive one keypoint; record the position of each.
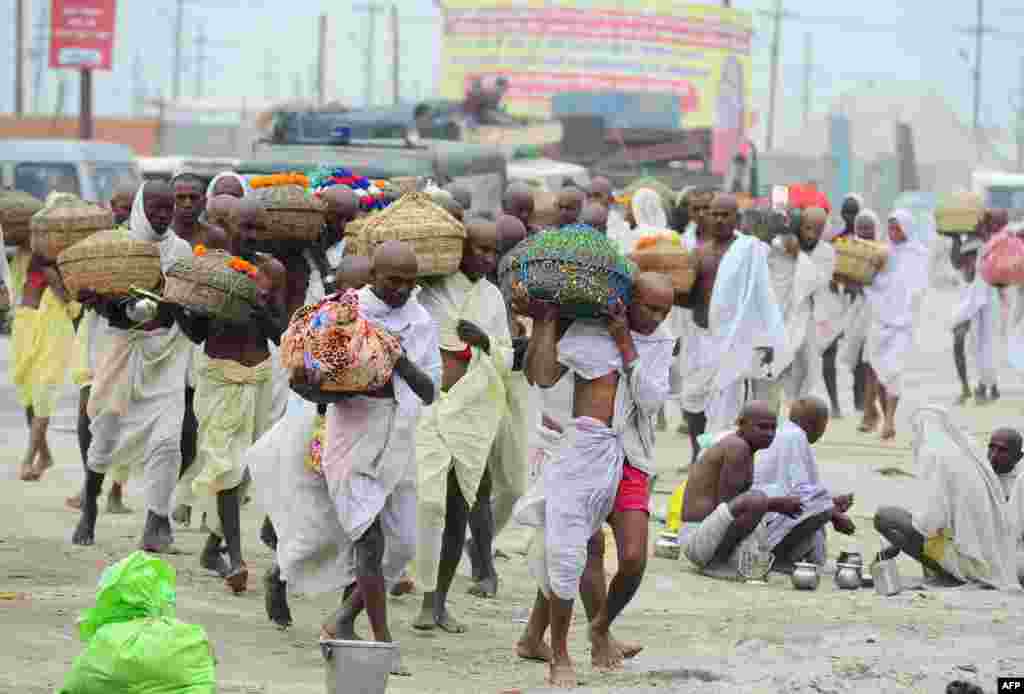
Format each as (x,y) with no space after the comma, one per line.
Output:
(966,527)
(137,398)
(456,433)
(799,267)
(604,463)
(979,316)
(733,300)
(787,468)
(893,300)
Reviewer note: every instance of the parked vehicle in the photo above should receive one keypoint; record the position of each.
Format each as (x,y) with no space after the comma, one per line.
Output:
(90,170)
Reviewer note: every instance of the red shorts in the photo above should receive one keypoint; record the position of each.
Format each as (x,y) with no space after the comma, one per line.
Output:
(634,491)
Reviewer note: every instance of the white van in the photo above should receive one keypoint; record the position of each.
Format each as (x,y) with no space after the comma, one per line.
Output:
(91,170)
(1000,190)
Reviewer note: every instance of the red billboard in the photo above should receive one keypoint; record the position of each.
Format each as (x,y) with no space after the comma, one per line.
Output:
(82,34)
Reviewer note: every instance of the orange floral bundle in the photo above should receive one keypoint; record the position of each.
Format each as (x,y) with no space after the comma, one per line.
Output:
(661,239)
(284,179)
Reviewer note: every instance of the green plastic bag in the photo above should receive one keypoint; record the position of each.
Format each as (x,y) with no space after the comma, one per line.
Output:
(140,585)
(134,645)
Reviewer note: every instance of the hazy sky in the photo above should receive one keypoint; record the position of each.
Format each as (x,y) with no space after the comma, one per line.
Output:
(910,41)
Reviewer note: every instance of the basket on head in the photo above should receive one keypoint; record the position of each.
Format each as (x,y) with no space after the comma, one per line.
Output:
(545,210)
(110,263)
(578,268)
(64,221)
(959,213)
(434,235)
(664,253)
(353,355)
(856,258)
(16,210)
(294,214)
(208,285)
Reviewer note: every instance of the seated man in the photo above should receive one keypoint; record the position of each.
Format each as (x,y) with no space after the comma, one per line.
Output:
(788,467)
(722,514)
(965,530)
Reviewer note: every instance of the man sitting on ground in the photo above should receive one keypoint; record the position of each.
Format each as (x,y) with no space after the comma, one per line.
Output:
(723,516)
(965,530)
(788,468)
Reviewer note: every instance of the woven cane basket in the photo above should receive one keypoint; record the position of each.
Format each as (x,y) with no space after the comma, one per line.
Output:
(668,258)
(578,268)
(110,263)
(64,221)
(16,210)
(855,259)
(434,235)
(294,213)
(545,210)
(205,284)
(959,213)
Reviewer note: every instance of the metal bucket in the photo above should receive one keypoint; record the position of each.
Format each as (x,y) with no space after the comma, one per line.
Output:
(886,576)
(357,667)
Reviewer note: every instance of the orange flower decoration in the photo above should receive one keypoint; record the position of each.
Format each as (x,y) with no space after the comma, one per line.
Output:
(199,251)
(243,266)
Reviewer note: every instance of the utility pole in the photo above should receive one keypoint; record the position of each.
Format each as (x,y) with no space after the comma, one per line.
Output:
(808,73)
(372,9)
(395,56)
(85,125)
(179,20)
(321,62)
(201,59)
(977,65)
(774,79)
(139,85)
(39,57)
(19,58)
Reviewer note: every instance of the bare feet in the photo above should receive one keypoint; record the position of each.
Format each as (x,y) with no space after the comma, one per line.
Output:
(157,536)
(867,425)
(42,464)
(562,675)
(474,559)
(267,533)
(182,515)
(628,649)
(115,504)
(28,473)
(604,654)
(425,620)
(440,618)
(84,534)
(238,579)
(538,651)
(74,502)
(888,432)
(405,586)
(275,598)
(485,588)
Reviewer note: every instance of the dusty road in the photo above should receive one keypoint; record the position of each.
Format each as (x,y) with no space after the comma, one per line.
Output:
(701,635)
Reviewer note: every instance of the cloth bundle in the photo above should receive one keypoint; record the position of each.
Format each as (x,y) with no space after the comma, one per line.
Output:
(1002,260)
(331,337)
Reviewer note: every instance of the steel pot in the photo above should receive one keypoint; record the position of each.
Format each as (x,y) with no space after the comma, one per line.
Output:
(850,558)
(805,576)
(886,576)
(848,576)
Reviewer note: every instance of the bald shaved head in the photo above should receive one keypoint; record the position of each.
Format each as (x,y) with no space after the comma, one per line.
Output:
(248,220)
(394,272)
(595,215)
(600,191)
(812,226)
(757,424)
(510,232)
(518,202)
(653,295)
(1004,450)
(228,185)
(218,209)
(480,249)
(355,272)
(341,206)
(811,415)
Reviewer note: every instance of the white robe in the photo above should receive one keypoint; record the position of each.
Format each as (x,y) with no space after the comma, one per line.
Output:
(962,495)
(743,316)
(787,468)
(583,478)
(980,305)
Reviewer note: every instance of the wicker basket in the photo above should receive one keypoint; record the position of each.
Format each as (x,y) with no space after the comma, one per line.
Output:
(16,210)
(294,214)
(205,284)
(355,356)
(434,235)
(856,259)
(579,269)
(545,210)
(65,221)
(110,263)
(959,213)
(671,259)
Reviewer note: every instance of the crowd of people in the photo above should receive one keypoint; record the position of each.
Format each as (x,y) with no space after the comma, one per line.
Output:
(501,410)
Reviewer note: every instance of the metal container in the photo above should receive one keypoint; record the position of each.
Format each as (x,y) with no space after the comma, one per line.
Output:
(805,576)
(886,576)
(667,546)
(358,667)
(850,558)
(848,576)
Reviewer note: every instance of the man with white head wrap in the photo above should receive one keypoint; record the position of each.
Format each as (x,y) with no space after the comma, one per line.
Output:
(228,183)
(977,315)
(137,401)
(894,298)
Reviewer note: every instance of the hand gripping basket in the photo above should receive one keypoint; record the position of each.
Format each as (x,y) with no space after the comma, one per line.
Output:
(208,285)
(16,210)
(959,213)
(64,221)
(294,213)
(510,269)
(352,354)
(856,258)
(434,235)
(110,263)
(578,268)
(665,254)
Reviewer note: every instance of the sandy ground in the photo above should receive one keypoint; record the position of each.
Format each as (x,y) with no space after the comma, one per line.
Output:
(701,635)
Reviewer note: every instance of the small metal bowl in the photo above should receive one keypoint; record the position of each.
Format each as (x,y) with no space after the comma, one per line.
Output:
(805,576)
(848,576)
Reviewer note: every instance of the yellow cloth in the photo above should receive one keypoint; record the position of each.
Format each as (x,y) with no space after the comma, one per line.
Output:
(41,342)
(675,508)
(233,405)
(941,549)
(81,368)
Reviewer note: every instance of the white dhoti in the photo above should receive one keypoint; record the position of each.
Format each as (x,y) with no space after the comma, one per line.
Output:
(981,307)
(886,350)
(700,356)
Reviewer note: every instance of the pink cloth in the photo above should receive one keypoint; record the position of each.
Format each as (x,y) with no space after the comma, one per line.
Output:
(1002,260)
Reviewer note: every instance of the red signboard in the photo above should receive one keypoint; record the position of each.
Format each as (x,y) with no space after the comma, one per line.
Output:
(82,34)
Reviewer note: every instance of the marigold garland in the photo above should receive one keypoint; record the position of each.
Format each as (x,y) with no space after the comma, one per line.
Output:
(243,266)
(199,251)
(663,238)
(282,179)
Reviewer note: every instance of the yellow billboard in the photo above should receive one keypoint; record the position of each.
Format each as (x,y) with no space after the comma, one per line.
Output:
(692,60)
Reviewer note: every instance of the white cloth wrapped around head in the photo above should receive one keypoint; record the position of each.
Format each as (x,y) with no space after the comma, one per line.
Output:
(246,188)
(647,209)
